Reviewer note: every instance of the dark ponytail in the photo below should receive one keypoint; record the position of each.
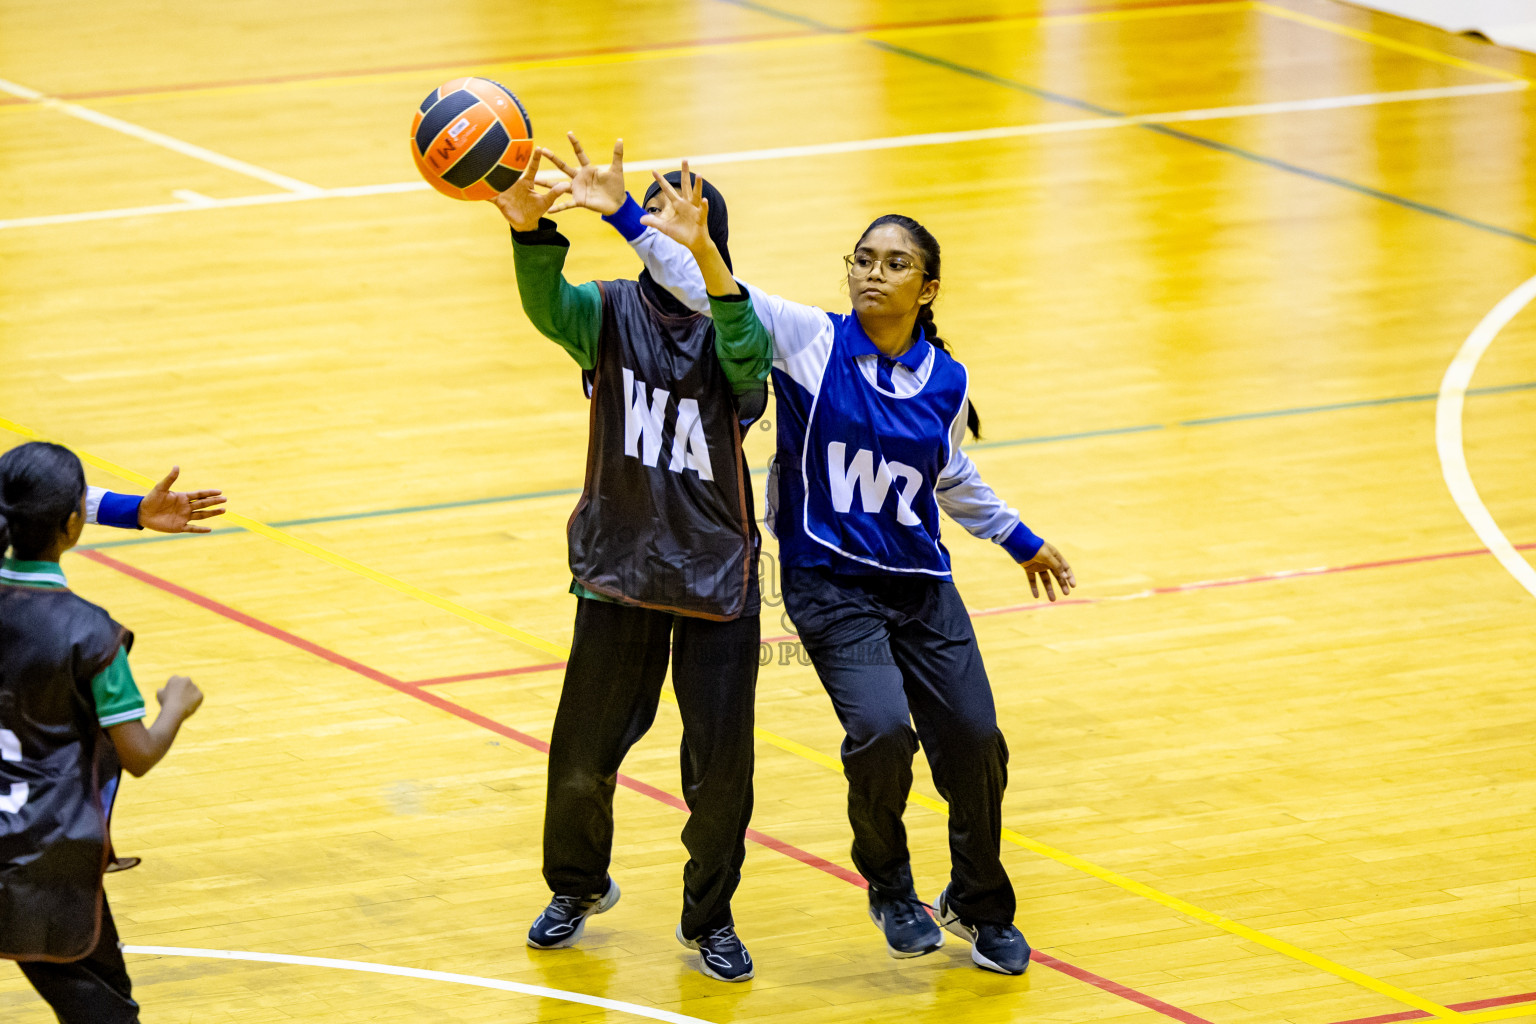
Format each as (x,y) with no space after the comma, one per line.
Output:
(41,486)
(928,247)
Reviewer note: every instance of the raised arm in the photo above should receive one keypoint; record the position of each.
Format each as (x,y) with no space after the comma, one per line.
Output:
(965,497)
(570,316)
(790,325)
(741,344)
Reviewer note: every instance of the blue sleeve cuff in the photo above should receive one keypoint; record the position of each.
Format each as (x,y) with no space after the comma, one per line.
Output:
(119,510)
(627,219)
(1022,543)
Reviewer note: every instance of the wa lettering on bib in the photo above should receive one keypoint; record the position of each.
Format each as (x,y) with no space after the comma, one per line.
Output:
(644,420)
(665,518)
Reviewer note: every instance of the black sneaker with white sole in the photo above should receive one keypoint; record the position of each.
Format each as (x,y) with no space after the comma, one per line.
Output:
(563,920)
(994,947)
(908,929)
(721,953)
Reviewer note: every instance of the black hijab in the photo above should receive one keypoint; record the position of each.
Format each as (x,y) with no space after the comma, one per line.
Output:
(719,230)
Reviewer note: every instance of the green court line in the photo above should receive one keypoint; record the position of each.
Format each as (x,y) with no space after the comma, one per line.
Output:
(345,517)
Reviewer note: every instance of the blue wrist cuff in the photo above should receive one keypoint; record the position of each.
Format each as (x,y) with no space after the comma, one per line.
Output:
(119,510)
(627,219)
(1022,543)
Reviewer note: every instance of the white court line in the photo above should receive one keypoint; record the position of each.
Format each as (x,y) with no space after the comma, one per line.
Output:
(1448,438)
(186,195)
(160,139)
(829,148)
(411,972)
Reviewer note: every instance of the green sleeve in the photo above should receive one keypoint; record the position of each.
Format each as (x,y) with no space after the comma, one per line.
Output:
(741,342)
(570,316)
(117,696)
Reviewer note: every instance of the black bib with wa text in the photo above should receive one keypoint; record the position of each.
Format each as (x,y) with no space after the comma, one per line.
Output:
(665,519)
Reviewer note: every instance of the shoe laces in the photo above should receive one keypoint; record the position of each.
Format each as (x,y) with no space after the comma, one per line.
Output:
(725,935)
(570,904)
(904,910)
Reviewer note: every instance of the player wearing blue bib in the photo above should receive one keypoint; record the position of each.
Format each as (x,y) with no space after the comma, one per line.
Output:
(872,409)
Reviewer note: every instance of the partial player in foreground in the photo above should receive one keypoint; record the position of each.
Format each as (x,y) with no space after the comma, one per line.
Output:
(872,410)
(66,691)
(663,550)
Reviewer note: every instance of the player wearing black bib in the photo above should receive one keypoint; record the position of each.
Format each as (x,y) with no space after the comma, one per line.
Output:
(663,554)
(66,696)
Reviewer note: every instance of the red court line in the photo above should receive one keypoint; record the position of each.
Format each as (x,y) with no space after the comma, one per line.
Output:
(761,838)
(1476,1004)
(1180,588)
(602,51)
(1237,581)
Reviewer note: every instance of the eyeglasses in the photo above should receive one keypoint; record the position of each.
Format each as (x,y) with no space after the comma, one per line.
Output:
(862,264)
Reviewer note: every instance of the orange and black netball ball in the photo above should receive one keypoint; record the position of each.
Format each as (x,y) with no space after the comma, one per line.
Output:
(471,138)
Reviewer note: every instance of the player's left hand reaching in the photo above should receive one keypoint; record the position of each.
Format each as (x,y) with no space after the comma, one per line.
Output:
(593,186)
(1047,565)
(689,219)
(523,204)
(688,223)
(168,511)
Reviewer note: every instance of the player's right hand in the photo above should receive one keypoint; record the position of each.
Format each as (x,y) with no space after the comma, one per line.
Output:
(181,694)
(523,205)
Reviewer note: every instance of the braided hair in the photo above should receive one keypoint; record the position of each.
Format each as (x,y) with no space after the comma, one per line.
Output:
(41,486)
(928,246)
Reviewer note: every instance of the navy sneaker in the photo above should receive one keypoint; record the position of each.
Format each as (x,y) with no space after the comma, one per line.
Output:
(994,947)
(909,931)
(721,954)
(563,920)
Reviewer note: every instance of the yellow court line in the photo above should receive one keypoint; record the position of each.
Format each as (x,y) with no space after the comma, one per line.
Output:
(425,75)
(822,38)
(1134,887)
(811,37)
(808,753)
(323,554)
(1388,43)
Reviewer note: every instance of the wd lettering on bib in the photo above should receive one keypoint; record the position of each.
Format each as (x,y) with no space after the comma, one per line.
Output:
(863,481)
(872,482)
(644,419)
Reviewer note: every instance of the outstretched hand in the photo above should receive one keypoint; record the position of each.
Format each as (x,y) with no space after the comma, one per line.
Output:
(592,186)
(168,511)
(1049,564)
(688,220)
(523,204)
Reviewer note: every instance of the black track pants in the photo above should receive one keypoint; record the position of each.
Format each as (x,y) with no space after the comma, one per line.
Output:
(95,990)
(612,686)
(892,651)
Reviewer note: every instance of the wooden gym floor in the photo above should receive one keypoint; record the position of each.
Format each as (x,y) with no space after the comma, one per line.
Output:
(1209,265)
